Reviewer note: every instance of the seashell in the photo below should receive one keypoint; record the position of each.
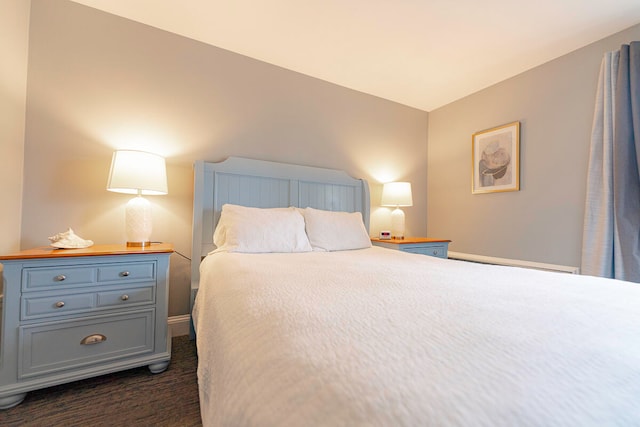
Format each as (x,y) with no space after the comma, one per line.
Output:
(69,240)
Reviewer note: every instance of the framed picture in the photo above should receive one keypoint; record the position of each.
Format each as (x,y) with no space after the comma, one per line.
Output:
(495,159)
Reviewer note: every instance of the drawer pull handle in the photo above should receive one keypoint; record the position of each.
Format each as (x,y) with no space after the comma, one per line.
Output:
(61,277)
(93,339)
(124,297)
(60,304)
(124,274)
(435,252)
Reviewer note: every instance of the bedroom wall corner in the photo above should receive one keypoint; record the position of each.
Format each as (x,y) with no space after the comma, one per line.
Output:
(14,45)
(542,222)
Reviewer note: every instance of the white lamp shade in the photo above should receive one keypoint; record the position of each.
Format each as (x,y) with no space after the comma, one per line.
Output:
(397,194)
(137,172)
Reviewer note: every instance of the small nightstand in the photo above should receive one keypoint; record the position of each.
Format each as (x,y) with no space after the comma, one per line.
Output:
(416,245)
(71,314)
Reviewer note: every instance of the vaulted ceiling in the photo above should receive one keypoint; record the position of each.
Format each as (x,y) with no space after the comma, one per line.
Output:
(421,53)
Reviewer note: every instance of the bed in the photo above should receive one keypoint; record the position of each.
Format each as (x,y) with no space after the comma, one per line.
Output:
(335,332)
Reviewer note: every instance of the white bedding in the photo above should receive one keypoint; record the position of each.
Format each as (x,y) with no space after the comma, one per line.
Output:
(382,338)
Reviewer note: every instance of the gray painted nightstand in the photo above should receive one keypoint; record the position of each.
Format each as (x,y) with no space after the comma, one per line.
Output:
(416,245)
(71,314)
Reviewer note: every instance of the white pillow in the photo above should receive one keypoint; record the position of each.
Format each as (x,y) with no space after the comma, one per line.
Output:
(229,214)
(256,230)
(335,231)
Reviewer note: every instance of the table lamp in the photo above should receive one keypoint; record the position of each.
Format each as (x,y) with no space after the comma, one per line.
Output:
(140,173)
(397,194)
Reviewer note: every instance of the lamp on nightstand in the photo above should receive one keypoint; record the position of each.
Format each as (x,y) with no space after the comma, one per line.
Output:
(397,194)
(137,172)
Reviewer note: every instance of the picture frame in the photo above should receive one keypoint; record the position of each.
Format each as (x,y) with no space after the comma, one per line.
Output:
(495,159)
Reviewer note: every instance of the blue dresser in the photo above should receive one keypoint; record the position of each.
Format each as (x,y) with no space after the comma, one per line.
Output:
(71,314)
(416,245)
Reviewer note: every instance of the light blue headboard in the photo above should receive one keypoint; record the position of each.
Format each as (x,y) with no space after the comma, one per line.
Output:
(263,184)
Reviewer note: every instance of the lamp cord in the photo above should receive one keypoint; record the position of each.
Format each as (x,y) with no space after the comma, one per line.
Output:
(176,252)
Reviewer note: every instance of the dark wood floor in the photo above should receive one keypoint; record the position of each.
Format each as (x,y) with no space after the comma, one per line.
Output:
(130,398)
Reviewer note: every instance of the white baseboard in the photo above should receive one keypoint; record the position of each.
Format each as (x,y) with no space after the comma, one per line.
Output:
(179,325)
(514,262)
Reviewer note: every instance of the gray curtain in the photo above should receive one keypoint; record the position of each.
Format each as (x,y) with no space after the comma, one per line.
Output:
(611,238)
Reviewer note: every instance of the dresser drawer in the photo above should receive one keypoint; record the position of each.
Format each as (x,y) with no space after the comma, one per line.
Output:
(57,277)
(55,305)
(54,278)
(126,297)
(37,305)
(128,272)
(52,347)
(432,250)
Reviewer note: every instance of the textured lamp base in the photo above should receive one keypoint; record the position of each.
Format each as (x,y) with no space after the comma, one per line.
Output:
(397,224)
(138,219)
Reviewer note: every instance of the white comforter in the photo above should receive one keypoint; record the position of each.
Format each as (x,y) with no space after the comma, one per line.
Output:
(376,337)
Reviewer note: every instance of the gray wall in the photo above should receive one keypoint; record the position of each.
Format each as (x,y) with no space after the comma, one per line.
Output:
(543,221)
(97,82)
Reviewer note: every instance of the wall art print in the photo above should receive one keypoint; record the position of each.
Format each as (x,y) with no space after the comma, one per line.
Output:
(495,158)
